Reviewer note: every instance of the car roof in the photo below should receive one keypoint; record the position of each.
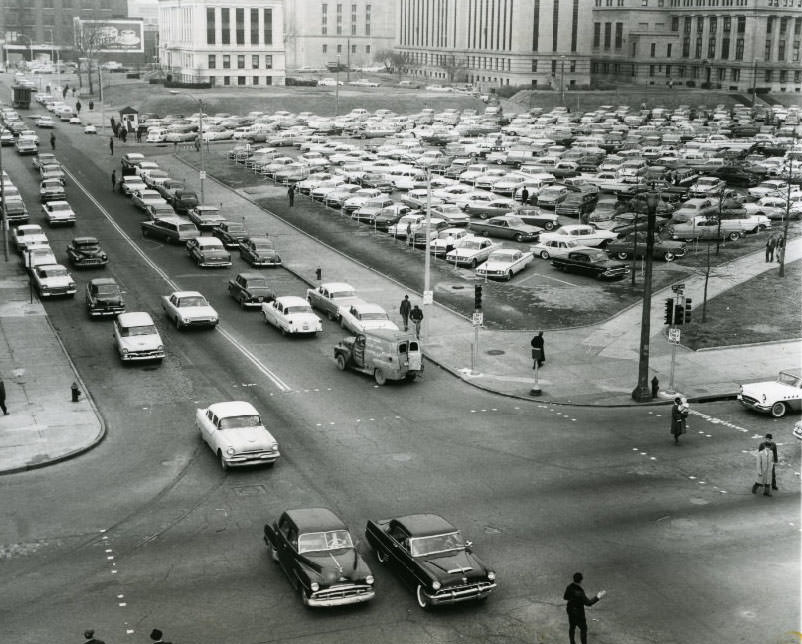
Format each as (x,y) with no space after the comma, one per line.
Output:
(424,525)
(85,240)
(102,281)
(251,275)
(232,408)
(186,294)
(291,300)
(315,519)
(138,318)
(337,286)
(368,307)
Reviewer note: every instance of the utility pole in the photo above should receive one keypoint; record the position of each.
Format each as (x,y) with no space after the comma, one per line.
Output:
(337,89)
(3,207)
(787,211)
(562,80)
(428,298)
(642,391)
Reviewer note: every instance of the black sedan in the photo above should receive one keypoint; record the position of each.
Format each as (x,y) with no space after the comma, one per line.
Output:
(85,252)
(316,552)
(231,233)
(431,556)
(259,251)
(250,290)
(738,176)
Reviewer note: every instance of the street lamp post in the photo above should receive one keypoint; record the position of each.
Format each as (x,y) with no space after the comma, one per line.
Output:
(562,80)
(54,51)
(754,82)
(202,174)
(427,258)
(3,207)
(337,89)
(642,392)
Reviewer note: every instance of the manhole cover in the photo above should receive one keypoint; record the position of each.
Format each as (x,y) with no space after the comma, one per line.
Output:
(495,352)
(249,490)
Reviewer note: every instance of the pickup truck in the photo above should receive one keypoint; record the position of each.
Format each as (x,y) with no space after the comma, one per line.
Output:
(595,263)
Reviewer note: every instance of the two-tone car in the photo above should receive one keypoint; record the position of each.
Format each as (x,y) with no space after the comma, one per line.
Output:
(58,213)
(432,557)
(776,397)
(504,263)
(317,553)
(490,208)
(136,337)
(172,230)
(258,250)
(362,316)
(508,226)
(104,298)
(236,434)
(231,233)
(208,252)
(331,297)
(85,252)
(52,280)
(250,290)
(471,251)
(28,234)
(585,234)
(205,216)
(594,263)
(187,309)
(147,197)
(635,244)
(291,315)
(51,190)
(556,248)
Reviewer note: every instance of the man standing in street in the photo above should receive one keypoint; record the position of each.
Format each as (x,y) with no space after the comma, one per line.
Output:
(538,349)
(291,194)
(780,248)
(52,140)
(765,466)
(404,309)
(113,180)
(772,447)
(577,600)
(111,145)
(3,397)
(416,315)
(524,196)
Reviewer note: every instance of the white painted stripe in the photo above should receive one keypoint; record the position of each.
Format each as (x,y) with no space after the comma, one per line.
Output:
(270,375)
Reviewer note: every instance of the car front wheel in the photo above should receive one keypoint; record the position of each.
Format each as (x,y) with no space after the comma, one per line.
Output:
(518,237)
(274,554)
(379,377)
(778,410)
(549,225)
(733,236)
(669,257)
(622,255)
(544,254)
(341,362)
(423,601)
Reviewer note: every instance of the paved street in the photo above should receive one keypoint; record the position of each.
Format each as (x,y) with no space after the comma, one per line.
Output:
(145,529)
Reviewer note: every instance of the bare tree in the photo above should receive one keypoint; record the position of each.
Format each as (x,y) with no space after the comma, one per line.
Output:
(394,61)
(90,38)
(454,67)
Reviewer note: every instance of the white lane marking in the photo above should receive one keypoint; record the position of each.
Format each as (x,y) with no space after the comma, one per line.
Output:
(270,375)
(549,277)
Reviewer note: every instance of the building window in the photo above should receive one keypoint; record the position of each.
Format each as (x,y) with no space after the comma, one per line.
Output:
(781,51)
(339,49)
(607,33)
(254,62)
(268,26)
(534,66)
(596,34)
(634,48)
(798,76)
(797,26)
(741,24)
(339,20)
(668,50)
(226,61)
(268,80)
(210,26)
(368,10)
(713,24)
(735,74)
(686,26)
(225,20)
(686,47)
(367,49)
(795,53)
(769,24)
(767,75)
(269,60)
(212,61)
(240,62)
(651,70)
(254,26)
(255,80)
(711,47)
(653,49)
(700,24)
(767,51)
(240,18)
(698,49)
(619,35)
(725,48)
(226,80)
(325,49)
(241,80)
(668,70)
(727,24)
(536,27)
(675,23)
(739,49)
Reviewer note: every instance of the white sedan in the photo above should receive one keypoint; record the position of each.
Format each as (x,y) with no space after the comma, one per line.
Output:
(504,263)
(291,315)
(45,121)
(556,248)
(585,234)
(471,251)
(58,213)
(52,279)
(188,309)
(236,434)
(90,129)
(362,316)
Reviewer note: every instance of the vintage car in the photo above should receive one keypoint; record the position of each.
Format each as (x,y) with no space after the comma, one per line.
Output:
(44,158)
(205,217)
(446,239)
(51,190)
(664,249)
(431,556)
(231,233)
(235,433)
(85,252)
(173,230)
(136,337)
(26,234)
(167,187)
(53,171)
(595,263)
(504,263)
(452,214)
(550,196)
(58,213)
(362,197)
(38,254)
(208,252)
(707,187)
(159,210)
(556,248)
(189,309)
(291,315)
(491,208)
(131,184)
(370,209)
(382,353)
(130,161)
(144,198)
(360,316)
(775,397)
(104,298)
(51,280)
(258,250)
(250,290)
(471,251)
(585,234)
(770,207)
(506,227)
(536,217)
(768,188)
(330,297)
(26,145)
(319,557)
(706,227)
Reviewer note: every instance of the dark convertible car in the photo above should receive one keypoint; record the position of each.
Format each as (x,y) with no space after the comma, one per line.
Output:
(430,555)
(315,550)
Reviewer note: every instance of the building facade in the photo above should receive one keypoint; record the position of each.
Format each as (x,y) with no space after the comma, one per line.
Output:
(729,44)
(238,43)
(491,43)
(318,33)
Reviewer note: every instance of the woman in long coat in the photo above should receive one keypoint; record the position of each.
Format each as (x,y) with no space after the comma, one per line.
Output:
(765,463)
(677,419)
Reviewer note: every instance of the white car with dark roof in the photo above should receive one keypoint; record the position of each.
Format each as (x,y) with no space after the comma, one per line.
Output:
(292,315)
(365,316)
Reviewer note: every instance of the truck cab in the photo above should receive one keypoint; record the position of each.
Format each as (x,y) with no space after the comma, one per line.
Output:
(382,353)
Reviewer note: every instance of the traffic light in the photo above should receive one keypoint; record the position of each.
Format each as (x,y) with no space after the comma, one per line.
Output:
(687,318)
(477,296)
(679,314)
(669,311)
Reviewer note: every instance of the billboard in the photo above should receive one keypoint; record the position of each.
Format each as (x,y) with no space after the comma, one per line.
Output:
(110,36)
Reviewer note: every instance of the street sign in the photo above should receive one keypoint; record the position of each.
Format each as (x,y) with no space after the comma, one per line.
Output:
(428,297)
(202,174)
(478,318)
(678,288)
(673,336)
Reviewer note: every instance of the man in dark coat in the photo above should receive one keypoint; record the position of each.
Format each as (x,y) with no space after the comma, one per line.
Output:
(291,194)
(677,419)
(113,180)
(3,397)
(770,444)
(111,145)
(577,600)
(52,141)
(538,349)
(524,196)
(416,315)
(404,310)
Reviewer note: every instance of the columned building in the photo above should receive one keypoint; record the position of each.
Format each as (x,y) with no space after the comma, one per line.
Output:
(492,43)
(226,43)
(318,33)
(727,44)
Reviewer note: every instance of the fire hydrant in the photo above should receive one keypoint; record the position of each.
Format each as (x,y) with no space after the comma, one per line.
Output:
(318,273)
(76,393)
(655,387)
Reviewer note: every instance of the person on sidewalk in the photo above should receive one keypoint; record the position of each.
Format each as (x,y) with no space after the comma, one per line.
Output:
(113,180)
(89,634)
(291,194)
(404,309)
(111,145)
(538,349)
(52,140)
(772,446)
(3,397)
(678,415)
(416,315)
(78,107)
(770,243)
(765,465)
(780,248)
(577,600)
(524,196)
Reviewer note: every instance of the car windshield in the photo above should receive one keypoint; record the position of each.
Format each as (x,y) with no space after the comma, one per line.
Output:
(53,271)
(193,300)
(87,245)
(377,315)
(108,290)
(300,308)
(235,228)
(240,421)
(436,544)
(59,207)
(263,245)
(789,379)
(323,541)
(131,331)
(339,294)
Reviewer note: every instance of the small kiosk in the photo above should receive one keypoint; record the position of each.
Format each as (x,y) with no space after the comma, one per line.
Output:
(129,117)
